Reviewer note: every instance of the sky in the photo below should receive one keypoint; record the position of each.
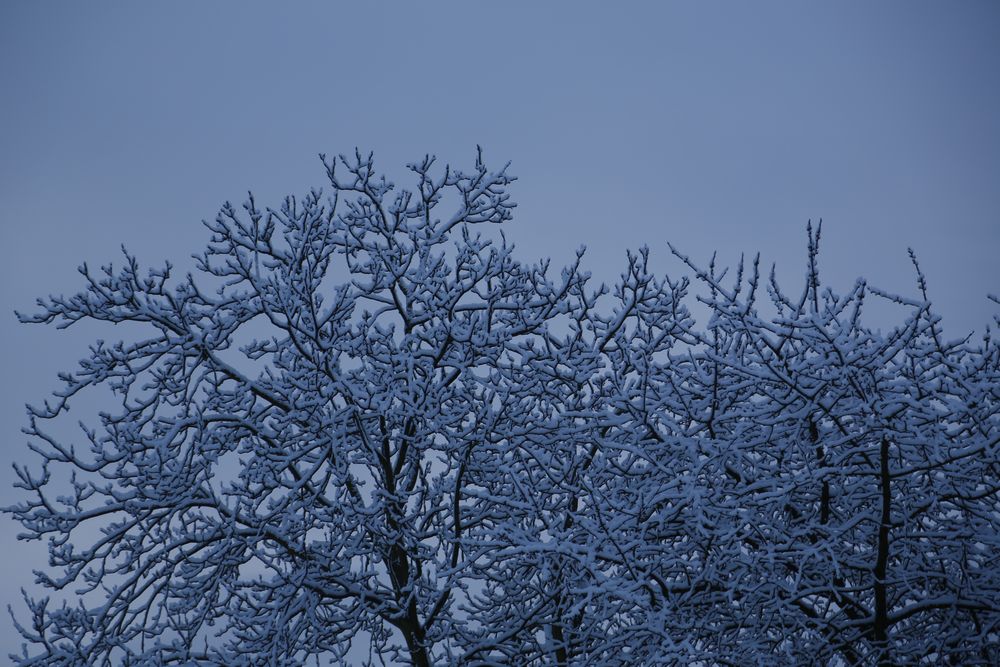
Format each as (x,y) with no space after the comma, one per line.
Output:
(715,126)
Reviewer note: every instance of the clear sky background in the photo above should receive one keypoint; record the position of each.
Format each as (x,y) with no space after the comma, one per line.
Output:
(712,125)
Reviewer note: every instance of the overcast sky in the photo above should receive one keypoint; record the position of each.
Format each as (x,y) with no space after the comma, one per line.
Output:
(712,125)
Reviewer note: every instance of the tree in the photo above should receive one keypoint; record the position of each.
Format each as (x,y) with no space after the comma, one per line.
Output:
(367,425)
(864,480)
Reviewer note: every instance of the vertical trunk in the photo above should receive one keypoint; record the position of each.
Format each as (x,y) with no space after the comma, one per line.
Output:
(412,630)
(563,631)
(562,655)
(559,628)
(824,499)
(414,636)
(415,645)
(880,628)
(397,559)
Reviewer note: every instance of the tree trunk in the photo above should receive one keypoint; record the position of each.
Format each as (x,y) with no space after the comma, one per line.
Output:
(880,628)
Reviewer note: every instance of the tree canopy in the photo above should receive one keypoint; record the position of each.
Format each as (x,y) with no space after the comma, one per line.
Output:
(366,428)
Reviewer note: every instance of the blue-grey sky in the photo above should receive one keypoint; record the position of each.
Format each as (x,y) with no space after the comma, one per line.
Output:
(712,125)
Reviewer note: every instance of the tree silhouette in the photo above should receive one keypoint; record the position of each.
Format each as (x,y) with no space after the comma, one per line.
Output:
(367,424)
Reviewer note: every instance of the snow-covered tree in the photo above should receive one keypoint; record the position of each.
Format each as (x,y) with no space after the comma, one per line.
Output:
(862,500)
(367,429)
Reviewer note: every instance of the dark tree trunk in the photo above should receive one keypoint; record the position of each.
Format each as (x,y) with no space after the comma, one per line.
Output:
(880,628)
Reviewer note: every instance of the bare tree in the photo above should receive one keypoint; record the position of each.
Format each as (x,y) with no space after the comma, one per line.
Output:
(865,495)
(367,426)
